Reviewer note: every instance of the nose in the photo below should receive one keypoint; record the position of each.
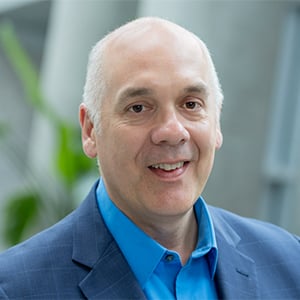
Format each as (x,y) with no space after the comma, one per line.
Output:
(169,130)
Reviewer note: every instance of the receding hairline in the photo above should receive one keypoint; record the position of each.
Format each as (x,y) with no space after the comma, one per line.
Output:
(144,24)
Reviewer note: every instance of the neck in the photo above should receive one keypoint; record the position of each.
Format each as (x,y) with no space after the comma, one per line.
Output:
(179,235)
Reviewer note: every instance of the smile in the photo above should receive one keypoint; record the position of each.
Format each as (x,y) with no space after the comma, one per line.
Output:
(168,167)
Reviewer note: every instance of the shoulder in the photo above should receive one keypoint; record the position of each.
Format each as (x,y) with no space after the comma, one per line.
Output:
(43,265)
(27,268)
(247,232)
(56,238)
(268,254)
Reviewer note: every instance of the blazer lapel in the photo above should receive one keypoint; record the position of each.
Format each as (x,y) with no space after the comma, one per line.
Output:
(236,273)
(111,278)
(109,275)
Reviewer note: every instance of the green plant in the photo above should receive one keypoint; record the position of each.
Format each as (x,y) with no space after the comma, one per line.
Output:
(26,209)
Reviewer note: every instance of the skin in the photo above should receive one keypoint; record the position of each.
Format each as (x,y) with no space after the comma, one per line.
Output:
(158,113)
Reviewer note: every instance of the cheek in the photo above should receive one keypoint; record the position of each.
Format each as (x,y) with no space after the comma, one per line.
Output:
(204,136)
(121,144)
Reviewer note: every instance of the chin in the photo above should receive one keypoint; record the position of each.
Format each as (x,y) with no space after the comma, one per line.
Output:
(173,208)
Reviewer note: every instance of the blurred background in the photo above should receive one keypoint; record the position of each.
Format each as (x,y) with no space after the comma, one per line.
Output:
(44,47)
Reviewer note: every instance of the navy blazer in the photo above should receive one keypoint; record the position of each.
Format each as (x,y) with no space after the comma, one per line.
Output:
(78,258)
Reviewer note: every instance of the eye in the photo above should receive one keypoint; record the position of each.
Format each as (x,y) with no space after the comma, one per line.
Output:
(192,105)
(137,108)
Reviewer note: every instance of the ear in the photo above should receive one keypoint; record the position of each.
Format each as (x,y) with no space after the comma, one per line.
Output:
(88,136)
(219,138)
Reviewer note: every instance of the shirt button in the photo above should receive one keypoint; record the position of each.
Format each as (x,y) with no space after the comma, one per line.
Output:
(169,257)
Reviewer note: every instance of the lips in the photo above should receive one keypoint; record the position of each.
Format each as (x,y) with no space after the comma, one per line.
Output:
(168,167)
(169,171)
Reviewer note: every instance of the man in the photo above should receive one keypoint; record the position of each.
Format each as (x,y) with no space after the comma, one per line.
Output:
(150,116)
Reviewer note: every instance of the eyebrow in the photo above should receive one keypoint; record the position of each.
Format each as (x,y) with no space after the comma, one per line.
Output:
(133,92)
(199,87)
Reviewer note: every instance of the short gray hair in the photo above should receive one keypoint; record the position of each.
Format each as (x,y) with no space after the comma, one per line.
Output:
(95,83)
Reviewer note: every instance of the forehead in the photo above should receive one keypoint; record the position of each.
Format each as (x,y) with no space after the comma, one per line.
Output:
(145,51)
(161,39)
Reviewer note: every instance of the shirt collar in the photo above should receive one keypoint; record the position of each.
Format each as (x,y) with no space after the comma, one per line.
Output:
(140,249)
(207,243)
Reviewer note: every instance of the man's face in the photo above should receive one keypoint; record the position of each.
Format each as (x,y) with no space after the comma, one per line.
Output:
(158,132)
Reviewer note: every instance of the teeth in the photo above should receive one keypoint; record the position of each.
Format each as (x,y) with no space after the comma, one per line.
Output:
(168,167)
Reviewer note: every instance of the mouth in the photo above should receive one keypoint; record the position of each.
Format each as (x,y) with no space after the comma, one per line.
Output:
(168,167)
(169,171)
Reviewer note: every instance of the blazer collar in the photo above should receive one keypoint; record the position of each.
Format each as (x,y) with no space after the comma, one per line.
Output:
(236,273)
(94,248)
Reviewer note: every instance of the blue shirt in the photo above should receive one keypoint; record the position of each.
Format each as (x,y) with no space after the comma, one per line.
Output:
(157,269)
